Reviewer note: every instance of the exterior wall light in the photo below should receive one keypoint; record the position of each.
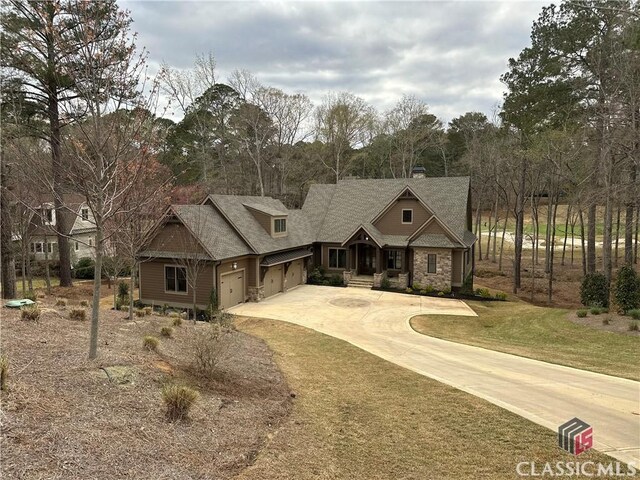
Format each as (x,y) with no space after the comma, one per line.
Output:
(234,265)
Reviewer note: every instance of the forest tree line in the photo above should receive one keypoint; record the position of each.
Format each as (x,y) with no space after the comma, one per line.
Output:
(567,132)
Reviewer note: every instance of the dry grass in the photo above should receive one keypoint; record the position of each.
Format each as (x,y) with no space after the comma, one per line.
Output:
(547,334)
(63,417)
(357,416)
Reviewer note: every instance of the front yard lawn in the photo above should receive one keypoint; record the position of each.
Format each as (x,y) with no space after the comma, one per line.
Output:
(358,416)
(537,332)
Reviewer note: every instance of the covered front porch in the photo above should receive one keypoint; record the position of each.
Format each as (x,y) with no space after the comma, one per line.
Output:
(368,259)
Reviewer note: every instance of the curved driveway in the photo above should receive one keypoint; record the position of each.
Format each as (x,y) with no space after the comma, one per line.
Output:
(547,394)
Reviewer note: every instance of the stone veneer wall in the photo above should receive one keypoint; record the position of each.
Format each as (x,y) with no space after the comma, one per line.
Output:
(442,278)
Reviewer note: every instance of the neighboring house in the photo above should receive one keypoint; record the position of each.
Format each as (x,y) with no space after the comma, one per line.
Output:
(43,226)
(411,231)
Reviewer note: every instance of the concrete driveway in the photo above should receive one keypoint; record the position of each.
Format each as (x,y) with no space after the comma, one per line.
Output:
(547,394)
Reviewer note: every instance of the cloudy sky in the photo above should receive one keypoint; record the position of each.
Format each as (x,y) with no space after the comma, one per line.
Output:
(449,54)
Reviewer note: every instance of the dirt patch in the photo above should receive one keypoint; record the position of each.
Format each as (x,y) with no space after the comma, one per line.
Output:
(64,417)
(349,302)
(617,323)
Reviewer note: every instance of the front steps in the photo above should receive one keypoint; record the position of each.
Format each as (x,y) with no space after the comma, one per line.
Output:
(360,282)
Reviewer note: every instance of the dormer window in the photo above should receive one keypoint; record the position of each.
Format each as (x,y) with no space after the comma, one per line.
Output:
(84,212)
(48,216)
(280,225)
(407,215)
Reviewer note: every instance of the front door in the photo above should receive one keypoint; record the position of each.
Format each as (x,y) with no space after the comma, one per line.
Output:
(366,259)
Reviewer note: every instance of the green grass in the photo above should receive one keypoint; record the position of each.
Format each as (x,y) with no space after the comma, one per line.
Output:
(38,282)
(358,416)
(540,333)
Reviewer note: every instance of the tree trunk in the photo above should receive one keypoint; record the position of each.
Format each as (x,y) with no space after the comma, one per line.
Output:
(591,239)
(504,232)
(97,276)
(628,220)
(552,251)
(47,271)
(495,230)
(519,227)
(635,244)
(8,261)
(617,241)
(585,268)
(132,286)
(547,235)
(566,234)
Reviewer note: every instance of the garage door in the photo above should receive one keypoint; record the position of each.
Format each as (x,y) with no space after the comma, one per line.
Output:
(231,289)
(294,274)
(273,281)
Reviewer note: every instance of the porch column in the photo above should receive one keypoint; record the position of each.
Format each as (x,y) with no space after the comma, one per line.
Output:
(378,260)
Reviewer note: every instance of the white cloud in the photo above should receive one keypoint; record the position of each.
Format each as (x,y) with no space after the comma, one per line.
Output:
(450,54)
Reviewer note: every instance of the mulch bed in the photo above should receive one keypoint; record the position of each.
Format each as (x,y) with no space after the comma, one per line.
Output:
(62,417)
(617,323)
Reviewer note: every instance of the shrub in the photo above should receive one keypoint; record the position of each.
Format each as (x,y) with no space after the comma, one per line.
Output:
(178,400)
(164,309)
(210,345)
(31,313)
(336,280)
(147,310)
(416,286)
(84,303)
(174,314)
(595,310)
(4,371)
(635,313)
(634,326)
(409,290)
(316,276)
(606,321)
(31,295)
(224,319)
(483,292)
(84,268)
(581,313)
(385,284)
(123,291)
(124,308)
(166,332)
(447,291)
(441,294)
(78,314)
(501,296)
(150,343)
(177,321)
(627,289)
(429,289)
(139,312)
(595,290)
(61,302)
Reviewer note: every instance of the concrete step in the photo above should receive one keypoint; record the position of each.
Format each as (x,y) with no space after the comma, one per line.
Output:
(351,285)
(360,284)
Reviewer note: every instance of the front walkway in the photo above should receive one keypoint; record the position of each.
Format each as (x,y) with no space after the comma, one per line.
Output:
(545,393)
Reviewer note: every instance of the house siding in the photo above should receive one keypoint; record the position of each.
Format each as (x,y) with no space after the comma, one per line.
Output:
(457,268)
(440,280)
(175,237)
(391,222)
(152,285)
(263,219)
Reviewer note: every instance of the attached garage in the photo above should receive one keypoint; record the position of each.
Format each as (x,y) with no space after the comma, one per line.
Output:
(294,274)
(231,289)
(273,280)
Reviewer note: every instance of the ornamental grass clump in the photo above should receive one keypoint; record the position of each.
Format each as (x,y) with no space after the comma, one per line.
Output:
(150,343)
(30,313)
(178,399)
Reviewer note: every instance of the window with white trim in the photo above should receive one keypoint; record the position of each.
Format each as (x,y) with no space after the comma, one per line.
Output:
(337,258)
(394,259)
(84,212)
(407,215)
(175,279)
(48,216)
(280,225)
(432,263)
